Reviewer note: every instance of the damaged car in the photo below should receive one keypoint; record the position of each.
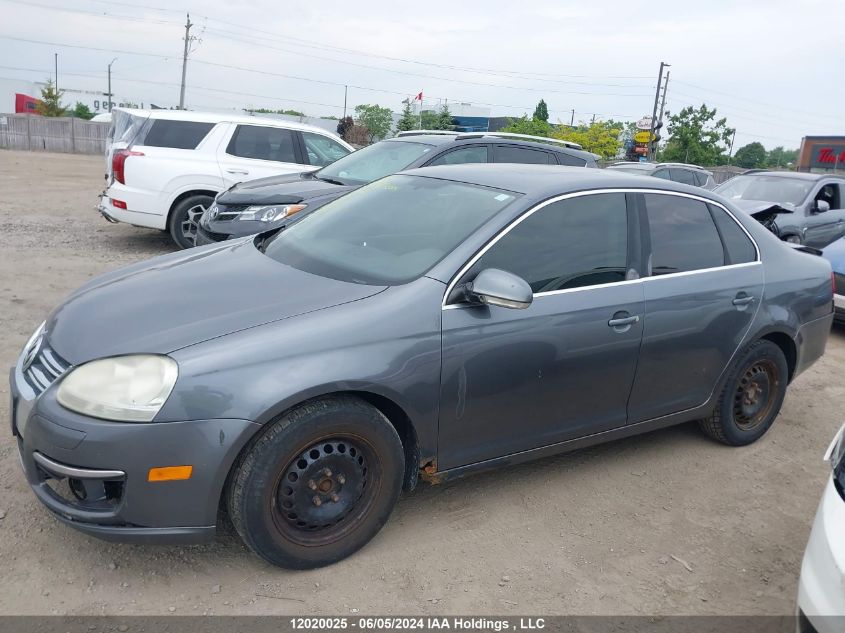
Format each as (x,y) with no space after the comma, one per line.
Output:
(812,206)
(432,324)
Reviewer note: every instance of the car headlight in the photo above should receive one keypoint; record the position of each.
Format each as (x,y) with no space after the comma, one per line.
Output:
(122,388)
(270,213)
(836,450)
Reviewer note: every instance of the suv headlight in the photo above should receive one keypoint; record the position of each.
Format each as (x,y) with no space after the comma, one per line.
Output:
(836,450)
(122,388)
(270,213)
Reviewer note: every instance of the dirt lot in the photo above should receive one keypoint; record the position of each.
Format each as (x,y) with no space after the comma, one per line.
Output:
(666,523)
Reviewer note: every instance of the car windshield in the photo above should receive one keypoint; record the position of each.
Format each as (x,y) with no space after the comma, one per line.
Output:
(766,188)
(374,162)
(389,232)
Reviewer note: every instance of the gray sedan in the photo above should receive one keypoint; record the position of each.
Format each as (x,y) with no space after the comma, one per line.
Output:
(429,325)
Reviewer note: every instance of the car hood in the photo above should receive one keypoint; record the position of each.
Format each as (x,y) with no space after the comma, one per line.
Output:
(762,210)
(178,300)
(285,189)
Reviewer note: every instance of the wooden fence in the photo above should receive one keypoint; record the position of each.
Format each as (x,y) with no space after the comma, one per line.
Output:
(52,134)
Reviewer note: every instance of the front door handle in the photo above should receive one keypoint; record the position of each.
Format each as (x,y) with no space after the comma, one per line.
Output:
(622,322)
(238,171)
(742,301)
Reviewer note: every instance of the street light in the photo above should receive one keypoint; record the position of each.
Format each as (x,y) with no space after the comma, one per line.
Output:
(110,95)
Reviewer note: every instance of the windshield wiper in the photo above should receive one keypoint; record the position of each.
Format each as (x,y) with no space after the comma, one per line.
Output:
(333,181)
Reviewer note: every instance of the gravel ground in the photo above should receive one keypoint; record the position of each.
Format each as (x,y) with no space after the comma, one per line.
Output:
(665,523)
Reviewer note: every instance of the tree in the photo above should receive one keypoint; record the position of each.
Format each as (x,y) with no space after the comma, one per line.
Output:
(695,136)
(524,125)
(51,101)
(343,126)
(376,119)
(600,137)
(779,157)
(444,119)
(82,111)
(541,112)
(408,121)
(751,155)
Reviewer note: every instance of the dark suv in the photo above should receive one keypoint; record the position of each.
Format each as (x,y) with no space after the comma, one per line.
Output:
(264,204)
(676,172)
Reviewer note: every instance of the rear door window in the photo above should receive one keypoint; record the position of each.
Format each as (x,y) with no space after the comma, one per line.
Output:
(662,173)
(263,143)
(463,155)
(174,134)
(738,246)
(683,235)
(681,175)
(567,159)
(516,154)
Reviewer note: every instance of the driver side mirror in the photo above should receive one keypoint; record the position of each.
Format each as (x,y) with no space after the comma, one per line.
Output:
(821,206)
(496,287)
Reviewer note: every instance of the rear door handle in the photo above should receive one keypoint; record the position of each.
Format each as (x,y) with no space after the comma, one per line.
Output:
(238,171)
(624,321)
(742,301)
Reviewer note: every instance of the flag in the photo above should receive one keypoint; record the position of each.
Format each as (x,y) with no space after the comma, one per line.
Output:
(419,98)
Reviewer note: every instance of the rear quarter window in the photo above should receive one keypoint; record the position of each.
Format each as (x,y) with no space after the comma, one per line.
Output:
(175,134)
(568,159)
(738,247)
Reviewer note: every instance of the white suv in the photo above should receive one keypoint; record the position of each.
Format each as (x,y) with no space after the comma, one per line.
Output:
(164,167)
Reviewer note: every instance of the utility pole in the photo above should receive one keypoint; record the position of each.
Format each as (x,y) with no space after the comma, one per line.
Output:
(188,39)
(56,62)
(572,119)
(731,150)
(654,110)
(663,99)
(345,91)
(110,93)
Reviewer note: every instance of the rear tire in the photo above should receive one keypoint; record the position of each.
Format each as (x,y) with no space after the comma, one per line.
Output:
(182,224)
(792,239)
(317,484)
(751,397)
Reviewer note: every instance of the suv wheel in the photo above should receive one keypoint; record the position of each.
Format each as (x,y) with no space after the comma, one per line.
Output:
(184,218)
(751,397)
(318,484)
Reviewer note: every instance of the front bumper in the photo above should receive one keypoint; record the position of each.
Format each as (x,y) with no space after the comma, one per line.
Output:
(205,237)
(821,588)
(92,474)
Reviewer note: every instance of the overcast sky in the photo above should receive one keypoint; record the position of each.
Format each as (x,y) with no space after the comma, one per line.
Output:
(772,67)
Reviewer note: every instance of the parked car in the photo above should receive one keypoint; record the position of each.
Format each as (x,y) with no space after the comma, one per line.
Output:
(432,324)
(821,599)
(270,203)
(676,172)
(835,254)
(164,167)
(817,215)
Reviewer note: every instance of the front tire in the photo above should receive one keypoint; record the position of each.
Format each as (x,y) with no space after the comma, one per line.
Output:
(318,484)
(182,225)
(751,397)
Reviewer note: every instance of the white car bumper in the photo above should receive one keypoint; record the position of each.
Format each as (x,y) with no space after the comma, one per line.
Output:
(821,588)
(149,220)
(839,302)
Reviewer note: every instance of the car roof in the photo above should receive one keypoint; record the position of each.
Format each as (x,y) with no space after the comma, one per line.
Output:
(456,141)
(798,175)
(548,180)
(216,117)
(651,166)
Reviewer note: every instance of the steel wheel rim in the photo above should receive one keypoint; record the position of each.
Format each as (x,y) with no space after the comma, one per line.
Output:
(191,221)
(755,394)
(324,492)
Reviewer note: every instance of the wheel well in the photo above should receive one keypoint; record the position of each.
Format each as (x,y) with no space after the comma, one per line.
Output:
(787,346)
(188,194)
(404,427)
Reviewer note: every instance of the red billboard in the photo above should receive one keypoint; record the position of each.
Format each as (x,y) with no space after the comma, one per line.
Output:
(24,104)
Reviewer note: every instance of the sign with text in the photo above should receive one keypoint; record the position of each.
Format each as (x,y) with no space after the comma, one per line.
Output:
(643,137)
(827,156)
(644,123)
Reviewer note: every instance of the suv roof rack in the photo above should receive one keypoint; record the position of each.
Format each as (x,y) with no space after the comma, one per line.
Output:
(681,165)
(527,137)
(427,132)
